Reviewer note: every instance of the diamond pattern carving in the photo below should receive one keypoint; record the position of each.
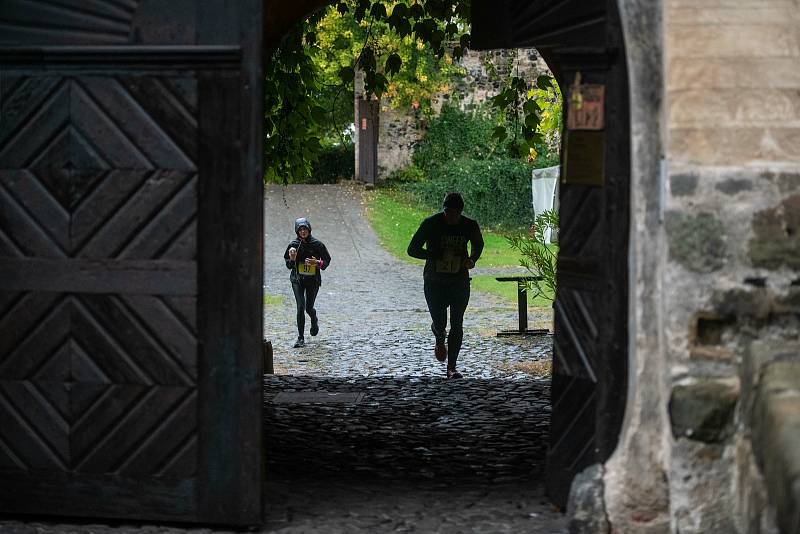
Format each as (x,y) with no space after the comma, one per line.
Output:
(98,169)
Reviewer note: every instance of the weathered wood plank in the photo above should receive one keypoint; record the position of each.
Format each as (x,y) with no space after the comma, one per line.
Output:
(121,325)
(167,227)
(161,277)
(229,315)
(169,499)
(104,450)
(30,431)
(165,445)
(36,350)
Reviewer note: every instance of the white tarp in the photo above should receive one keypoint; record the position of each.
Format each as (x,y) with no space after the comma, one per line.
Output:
(544,186)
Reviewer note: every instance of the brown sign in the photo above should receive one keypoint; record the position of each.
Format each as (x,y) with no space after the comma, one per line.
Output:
(584,158)
(585,110)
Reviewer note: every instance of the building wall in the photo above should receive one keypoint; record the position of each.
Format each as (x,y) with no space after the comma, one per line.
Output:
(732,272)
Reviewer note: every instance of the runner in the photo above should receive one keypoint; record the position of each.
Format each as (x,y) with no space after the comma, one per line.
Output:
(306,256)
(446,273)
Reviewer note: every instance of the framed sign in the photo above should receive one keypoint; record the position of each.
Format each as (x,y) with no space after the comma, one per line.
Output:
(586,108)
(584,158)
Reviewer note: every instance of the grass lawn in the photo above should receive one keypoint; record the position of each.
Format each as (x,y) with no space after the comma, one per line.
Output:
(272,300)
(395,220)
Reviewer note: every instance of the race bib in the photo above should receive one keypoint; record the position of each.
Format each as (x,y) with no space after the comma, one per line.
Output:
(306,270)
(449,264)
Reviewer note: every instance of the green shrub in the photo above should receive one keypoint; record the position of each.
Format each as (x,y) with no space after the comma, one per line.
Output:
(455,134)
(412,173)
(538,256)
(497,191)
(335,163)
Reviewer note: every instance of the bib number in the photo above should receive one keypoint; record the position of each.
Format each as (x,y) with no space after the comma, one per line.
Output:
(306,270)
(449,265)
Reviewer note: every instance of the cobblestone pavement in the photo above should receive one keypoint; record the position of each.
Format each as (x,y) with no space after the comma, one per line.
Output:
(363,433)
(410,428)
(310,505)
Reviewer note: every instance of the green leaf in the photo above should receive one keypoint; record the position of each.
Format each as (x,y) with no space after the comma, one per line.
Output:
(403,28)
(400,11)
(532,121)
(378,11)
(519,85)
(544,82)
(361,10)
(319,114)
(531,107)
(367,59)
(500,133)
(341,43)
(393,64)
(347,74)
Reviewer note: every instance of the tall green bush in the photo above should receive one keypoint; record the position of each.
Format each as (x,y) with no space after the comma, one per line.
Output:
(497,191)
(335,163)
(454,134)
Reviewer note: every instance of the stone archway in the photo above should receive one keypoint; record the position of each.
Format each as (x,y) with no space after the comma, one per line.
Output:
(631,431)
(181,62)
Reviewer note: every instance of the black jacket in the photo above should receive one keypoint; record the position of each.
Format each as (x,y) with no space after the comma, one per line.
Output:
(311,247)
(446,246)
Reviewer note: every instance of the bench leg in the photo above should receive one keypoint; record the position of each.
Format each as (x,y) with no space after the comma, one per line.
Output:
(522,303)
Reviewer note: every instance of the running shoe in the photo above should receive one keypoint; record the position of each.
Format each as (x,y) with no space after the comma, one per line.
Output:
(314,328)
(299,343)
(440,351)
(452,373)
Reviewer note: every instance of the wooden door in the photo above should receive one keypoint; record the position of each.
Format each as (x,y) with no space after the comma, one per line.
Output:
(591,313)
(368,123)
(130,263)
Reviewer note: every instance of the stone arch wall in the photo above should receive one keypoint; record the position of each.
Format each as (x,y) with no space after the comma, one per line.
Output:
(732,260)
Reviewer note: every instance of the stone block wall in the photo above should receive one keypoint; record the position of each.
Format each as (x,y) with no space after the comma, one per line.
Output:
(401,129)
(732,223)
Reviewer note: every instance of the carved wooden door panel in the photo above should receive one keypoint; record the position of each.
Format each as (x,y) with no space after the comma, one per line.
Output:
(590,337)
(125,388)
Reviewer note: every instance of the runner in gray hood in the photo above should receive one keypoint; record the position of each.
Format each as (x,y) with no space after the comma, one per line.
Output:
(306,257)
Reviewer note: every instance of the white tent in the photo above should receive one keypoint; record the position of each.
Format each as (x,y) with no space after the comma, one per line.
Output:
(544,186)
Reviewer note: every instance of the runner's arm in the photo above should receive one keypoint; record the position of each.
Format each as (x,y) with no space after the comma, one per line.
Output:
(289,262)
(325,257)
(476,244)
(415,249)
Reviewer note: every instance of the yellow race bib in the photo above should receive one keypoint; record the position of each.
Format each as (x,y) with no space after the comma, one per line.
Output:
(306,270)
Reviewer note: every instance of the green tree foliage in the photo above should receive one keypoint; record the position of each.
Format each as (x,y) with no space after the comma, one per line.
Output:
(406,49)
